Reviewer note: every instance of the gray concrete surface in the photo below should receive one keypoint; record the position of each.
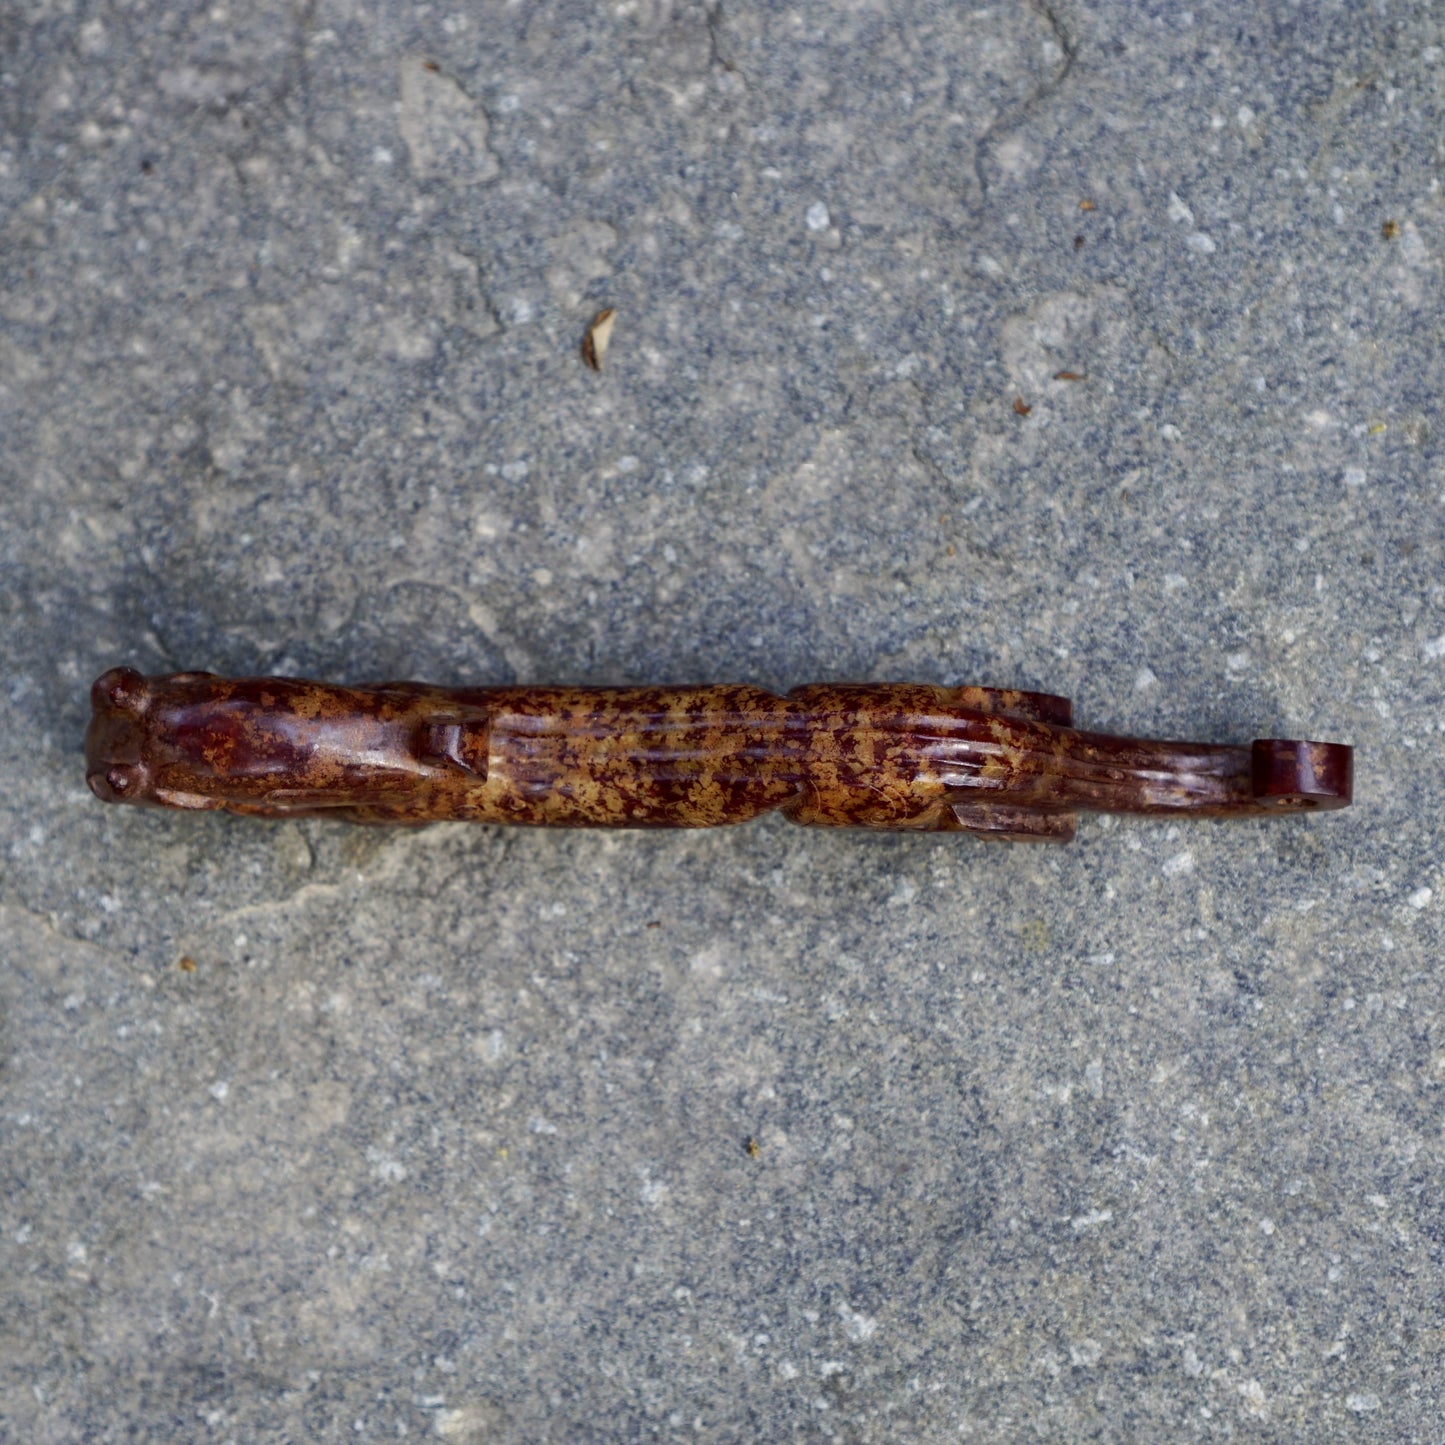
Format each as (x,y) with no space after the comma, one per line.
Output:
(321,1134)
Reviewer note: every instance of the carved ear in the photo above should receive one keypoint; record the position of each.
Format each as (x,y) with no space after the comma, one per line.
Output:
(122,687)
(453,741)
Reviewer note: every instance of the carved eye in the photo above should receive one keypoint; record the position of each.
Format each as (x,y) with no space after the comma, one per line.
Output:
(116,783)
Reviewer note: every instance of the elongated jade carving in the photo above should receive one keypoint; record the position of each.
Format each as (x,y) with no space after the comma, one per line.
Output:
(877,755)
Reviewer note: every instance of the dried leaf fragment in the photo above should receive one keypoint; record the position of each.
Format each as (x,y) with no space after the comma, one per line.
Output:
(598,338)
(1071,376)
(1390,230)
(1021,406)
(1087,205)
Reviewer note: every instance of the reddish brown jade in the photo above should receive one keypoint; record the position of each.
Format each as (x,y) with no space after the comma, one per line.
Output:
(875,755)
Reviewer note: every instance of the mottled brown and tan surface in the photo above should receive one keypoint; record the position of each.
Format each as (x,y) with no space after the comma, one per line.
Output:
(864,755)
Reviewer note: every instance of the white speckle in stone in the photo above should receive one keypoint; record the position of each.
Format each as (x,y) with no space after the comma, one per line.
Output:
(1179,863)
(1169,432)
(857,1326)
(1085,1353)
(387,1169)
(1378,1200)
(1412,246)
(539,1125)
(72,1001)
(191,84)
(1421,897)
(1362,1403)
(1178,211)
(1016,158)
(1237,662)
(1354,476)
(219,1090)
(1101,960)
(709,961)
(1435,649)
(1080,1222)
(1144,679)
(515,471)
(1193,1365)
(381,156)
(1266,1226)
(466,1424)
(1200,243)
(817,217)
(75,1252)
(903,894)
(1254,1399)
(1245,116)
(829,1368)
(406,340)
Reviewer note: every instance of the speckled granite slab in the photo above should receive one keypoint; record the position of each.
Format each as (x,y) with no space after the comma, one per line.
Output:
(1088,348)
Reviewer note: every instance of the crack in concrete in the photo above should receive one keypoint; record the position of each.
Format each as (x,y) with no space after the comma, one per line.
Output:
(1009,121)
(714,14)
